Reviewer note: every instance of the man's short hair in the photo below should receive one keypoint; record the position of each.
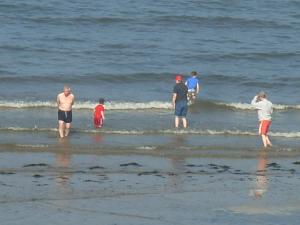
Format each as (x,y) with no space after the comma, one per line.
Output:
(262,94)
(67,87)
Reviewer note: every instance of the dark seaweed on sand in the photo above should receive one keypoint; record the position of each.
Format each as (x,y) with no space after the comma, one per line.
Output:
(130,164)
(35,164)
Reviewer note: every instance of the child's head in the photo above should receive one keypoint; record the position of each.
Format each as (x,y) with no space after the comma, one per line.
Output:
(101,101)
(194,73)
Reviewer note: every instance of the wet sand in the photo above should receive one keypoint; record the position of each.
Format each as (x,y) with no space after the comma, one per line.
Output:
(65,187)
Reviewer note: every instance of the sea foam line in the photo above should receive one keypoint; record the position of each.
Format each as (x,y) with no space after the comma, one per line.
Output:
(89,105)
(248,106)
(114,105)
(157,132)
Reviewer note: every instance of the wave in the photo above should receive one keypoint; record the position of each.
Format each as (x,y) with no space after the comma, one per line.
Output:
(221,21)
(114,105)
(247,106)
(155,132)
(89,78)
(80,20)
(101,79)
(249,56)
(88,105)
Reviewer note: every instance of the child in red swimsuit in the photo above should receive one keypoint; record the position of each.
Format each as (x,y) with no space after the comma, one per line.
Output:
(99,114)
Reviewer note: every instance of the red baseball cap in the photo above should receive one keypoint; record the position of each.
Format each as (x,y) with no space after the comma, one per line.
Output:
(178,77)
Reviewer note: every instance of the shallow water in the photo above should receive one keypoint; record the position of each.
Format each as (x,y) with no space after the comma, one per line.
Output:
(138,169)
(129,51)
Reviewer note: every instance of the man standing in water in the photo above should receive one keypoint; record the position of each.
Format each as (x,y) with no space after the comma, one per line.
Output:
(179,101)
(264,109)
(65,101)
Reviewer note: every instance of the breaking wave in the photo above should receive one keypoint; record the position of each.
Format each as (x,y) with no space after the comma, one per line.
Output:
(156,132)
(115,105)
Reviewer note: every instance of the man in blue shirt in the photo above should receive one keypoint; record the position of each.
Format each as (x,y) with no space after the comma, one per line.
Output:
(193,86)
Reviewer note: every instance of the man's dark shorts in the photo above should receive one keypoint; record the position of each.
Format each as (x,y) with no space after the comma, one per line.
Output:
(65,116)
(181,108)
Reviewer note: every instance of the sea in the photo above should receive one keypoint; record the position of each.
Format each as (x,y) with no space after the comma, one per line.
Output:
(128,52)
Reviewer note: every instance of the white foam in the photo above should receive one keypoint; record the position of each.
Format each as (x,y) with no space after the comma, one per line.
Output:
(27,104)
(146,148)
(89,105)
(115,105)
(257,210)
(285,134)
(208,132)
(247,106)
(32,146)
(295,134)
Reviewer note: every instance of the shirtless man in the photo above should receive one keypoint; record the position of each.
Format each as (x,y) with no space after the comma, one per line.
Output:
(65,101)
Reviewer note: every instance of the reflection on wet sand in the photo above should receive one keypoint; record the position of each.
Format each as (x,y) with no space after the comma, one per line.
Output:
(177,177)
(261,182)
(97,138)
(63,159)
(177,164)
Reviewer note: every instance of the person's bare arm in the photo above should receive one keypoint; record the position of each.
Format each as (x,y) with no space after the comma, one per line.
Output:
(256,102)
(174,99)
(73,100)
(57,101)
(198,88)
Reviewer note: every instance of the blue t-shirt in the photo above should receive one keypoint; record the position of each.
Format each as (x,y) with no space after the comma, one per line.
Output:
(192,82)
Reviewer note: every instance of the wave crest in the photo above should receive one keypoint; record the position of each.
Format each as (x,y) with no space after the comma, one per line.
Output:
(114,105)
(157,132)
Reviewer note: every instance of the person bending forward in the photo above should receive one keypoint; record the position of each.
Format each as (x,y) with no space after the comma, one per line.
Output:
(264,109)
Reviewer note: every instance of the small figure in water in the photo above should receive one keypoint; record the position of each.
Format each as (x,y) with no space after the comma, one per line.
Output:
(193,87)
(264,109)
(99,114)
(179,101)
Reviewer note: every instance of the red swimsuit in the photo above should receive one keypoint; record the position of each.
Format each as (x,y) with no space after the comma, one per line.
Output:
(98,120)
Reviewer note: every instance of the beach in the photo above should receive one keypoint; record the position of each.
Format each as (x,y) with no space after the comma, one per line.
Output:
(146,186)
(138,169)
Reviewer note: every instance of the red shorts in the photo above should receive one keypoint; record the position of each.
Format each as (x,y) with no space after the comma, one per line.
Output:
(264,127)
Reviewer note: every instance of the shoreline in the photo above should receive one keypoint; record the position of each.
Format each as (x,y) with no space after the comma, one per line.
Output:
(205,152)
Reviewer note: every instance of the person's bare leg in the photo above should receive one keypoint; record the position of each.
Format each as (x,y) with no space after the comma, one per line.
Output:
(268,141)
(264,139)
(176,121)
(61,127)
(184,122)
(67,130)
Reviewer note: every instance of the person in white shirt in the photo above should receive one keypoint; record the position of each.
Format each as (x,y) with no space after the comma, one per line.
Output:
(264,109)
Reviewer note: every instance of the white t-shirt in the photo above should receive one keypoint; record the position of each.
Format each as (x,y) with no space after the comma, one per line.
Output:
(264,108)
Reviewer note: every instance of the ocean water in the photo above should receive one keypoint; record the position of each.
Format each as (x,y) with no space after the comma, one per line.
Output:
(128,52)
